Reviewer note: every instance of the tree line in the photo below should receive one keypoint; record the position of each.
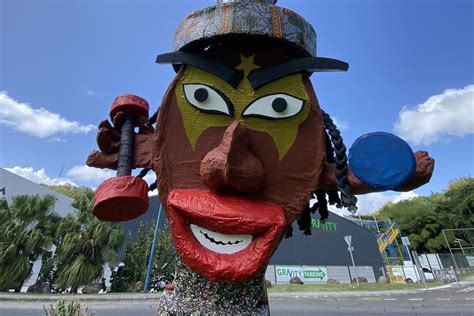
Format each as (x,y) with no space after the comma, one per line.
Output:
(73,250)
(423,218)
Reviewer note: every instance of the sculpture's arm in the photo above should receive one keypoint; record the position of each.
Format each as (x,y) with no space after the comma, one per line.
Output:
(422,174)
(108,140)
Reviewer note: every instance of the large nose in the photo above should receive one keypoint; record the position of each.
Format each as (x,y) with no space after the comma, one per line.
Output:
(232,164)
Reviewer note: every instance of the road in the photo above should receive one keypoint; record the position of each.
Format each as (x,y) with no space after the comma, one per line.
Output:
(455,301)
(442,302)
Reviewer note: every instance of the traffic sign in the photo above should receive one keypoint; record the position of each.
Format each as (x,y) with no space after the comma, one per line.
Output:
(348,239)
(405,241)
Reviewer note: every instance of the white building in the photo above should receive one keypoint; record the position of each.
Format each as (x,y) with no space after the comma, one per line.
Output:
(12,185)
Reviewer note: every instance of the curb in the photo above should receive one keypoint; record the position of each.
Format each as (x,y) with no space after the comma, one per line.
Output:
(12,297)
(119,297)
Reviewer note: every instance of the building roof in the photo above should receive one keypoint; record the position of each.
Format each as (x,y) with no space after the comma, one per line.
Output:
(12,185)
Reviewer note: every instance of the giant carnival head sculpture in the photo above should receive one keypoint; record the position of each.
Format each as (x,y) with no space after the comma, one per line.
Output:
(241,143)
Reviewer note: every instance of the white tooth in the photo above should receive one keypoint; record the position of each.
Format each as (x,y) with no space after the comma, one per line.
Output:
(232,243)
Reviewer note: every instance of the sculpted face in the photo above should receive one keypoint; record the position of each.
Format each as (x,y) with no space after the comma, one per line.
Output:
(236,166)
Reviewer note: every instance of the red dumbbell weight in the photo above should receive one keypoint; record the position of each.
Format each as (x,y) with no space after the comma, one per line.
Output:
(124,197)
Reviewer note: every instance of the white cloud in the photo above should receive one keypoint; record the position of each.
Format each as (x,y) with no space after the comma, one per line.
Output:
(39,176)
(153,193)
(38,122)
(86,173)
(372,202)
(342,125)
(448,114)
(150,177)
(88,91)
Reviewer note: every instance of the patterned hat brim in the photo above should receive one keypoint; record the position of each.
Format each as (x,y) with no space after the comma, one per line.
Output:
(246,18)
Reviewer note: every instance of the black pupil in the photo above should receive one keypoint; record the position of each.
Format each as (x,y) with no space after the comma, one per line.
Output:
(201,94)
(279,105)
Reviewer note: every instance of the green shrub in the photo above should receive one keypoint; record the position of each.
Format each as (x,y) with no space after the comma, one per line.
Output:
(66,308)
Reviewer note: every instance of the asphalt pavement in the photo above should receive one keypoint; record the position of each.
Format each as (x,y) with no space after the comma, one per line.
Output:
(451,300)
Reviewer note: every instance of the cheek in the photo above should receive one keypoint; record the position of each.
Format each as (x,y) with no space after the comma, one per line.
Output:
(177,164)
(174,158)
(291,181)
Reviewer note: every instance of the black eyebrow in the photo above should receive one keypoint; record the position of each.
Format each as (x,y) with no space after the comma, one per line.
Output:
(226,73)
(261,77)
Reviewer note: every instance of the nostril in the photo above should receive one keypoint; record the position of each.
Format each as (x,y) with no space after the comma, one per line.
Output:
(232,164)
(247,176)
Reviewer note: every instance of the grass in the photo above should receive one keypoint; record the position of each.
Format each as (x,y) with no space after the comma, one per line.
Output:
(347,287)
(65,307)
(466,276)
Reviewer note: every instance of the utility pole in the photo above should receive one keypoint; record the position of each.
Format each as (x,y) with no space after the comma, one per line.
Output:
(419,268)
(452,256)
(377,225)
(406,243)
(152,251)
(348,240)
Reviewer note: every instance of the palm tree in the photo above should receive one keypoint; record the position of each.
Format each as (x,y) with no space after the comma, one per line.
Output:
(85,244)
(26,233)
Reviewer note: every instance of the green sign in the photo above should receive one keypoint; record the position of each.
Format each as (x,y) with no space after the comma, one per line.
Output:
(305,273)
(314,274)
(326,225)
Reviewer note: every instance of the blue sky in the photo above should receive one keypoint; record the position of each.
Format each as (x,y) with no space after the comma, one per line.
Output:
(63,62)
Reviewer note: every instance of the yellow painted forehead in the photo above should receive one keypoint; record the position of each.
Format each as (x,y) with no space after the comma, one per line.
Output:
(247,65)
(283,131)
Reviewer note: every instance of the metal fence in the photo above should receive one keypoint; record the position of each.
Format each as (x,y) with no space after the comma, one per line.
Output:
(441,267)
(282,274)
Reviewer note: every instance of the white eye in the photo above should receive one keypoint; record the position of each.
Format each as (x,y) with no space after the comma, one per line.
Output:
(274,106)
(208,100)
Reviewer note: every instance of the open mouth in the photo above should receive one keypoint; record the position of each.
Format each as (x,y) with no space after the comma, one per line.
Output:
(224,237)
(220,243)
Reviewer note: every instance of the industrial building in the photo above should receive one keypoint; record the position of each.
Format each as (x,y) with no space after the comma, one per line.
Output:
(325,254)
(12,185)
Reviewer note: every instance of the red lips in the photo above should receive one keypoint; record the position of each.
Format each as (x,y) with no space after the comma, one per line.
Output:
(227,215)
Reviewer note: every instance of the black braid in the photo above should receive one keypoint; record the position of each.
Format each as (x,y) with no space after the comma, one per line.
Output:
(153,117)
(335,153)
(334,198)
(347,198)
(329,149)
(143,172)
(152,186)
(321,206)
(304,222)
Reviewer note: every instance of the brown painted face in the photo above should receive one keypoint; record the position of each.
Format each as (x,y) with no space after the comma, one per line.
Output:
(235,167)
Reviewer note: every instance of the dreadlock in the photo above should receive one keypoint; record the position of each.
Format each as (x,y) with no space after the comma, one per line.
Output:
(143,173)
(342,197)
(347,198)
